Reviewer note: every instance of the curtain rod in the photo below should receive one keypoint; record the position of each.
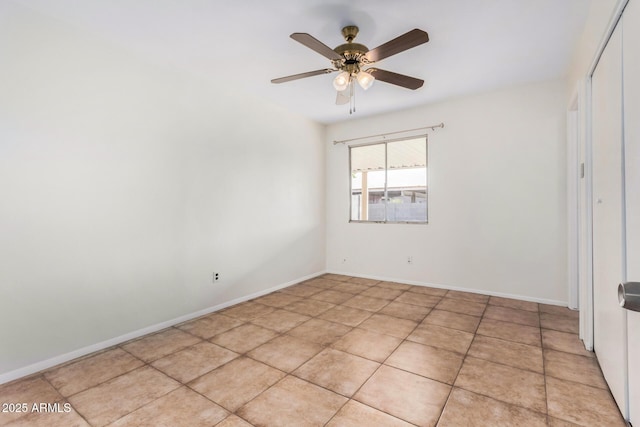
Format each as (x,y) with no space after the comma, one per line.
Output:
(441,125)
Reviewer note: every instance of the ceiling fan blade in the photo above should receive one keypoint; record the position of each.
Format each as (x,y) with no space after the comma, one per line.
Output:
(343,97)
(406,41)
(396,79)
(303,75)
(315,44)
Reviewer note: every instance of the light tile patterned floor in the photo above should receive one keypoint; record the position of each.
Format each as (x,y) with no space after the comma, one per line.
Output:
(337,351)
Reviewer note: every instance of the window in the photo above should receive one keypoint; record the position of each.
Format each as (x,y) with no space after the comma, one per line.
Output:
(389,181)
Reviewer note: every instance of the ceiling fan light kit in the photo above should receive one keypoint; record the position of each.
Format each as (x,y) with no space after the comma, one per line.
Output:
(341,81)
(365,79)
(350,58)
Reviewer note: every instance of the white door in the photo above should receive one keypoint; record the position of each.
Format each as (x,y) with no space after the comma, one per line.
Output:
(610,320)
(631,73)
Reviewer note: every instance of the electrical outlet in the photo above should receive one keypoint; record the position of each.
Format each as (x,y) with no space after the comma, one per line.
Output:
(216,277)
(410,260)
(344,260)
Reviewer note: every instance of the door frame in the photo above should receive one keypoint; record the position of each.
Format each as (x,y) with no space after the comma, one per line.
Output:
(573,198)
(579,213)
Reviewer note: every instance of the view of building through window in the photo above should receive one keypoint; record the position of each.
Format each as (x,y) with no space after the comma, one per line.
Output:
(389,181)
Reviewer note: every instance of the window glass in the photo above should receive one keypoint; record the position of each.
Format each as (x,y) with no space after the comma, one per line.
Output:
(389,181)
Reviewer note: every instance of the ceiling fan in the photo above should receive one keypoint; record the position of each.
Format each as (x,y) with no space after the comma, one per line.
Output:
(350,59)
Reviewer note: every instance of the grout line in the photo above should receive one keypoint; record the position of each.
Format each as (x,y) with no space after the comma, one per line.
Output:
(544,367)
(112,378)
(64,399)
(374,372)
(378,368)
(180,384)
(464,359)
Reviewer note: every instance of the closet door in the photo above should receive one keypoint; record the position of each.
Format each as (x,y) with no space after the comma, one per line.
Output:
(610,336)
(631,73)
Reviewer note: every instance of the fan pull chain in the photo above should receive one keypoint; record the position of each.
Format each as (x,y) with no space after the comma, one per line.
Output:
(352,98)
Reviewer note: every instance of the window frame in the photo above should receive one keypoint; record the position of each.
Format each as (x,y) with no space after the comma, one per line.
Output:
(386,170)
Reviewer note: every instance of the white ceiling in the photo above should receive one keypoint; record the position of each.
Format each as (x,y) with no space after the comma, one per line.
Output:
(476,45)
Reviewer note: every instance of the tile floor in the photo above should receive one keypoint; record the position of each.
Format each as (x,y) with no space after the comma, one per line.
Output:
(337,351)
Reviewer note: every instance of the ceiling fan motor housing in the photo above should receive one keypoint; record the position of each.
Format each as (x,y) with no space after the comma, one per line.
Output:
(353,53)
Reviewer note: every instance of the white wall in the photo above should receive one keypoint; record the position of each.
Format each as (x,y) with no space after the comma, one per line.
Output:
(123,186)
(600,14)
(497,188)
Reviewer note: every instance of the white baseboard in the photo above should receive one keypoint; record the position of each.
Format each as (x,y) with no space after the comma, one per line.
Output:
(456,288)
(63,358)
